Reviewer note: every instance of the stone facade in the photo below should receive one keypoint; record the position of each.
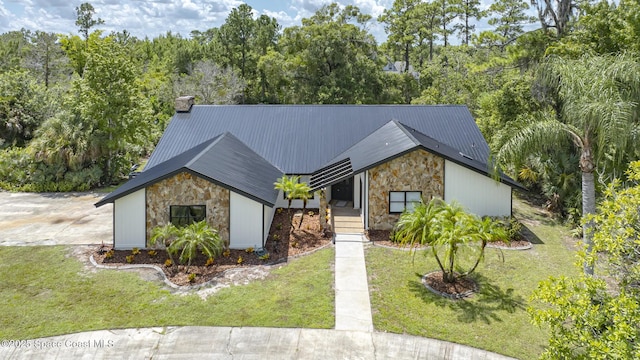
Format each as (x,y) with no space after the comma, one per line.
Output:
(187,189)
(416,171)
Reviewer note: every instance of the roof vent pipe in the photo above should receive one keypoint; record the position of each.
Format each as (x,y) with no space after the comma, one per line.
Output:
(184,104)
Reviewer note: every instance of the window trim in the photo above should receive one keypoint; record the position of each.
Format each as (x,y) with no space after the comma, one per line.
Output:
(404,200)
(171,217)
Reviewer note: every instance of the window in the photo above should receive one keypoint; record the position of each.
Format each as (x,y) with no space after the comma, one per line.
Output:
(400,201)
(184,215)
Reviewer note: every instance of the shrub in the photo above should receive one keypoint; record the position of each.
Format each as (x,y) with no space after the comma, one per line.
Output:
(130,258)
(194,237)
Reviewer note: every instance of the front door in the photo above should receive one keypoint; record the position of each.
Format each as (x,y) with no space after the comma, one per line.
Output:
(343,190)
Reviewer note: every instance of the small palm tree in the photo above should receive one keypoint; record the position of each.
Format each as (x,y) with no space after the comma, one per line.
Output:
(302,191)
(194,237)
(445,227)
(288,186)
(164,235)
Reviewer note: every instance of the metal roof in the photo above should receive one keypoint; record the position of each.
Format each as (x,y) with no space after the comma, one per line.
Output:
(392,140)
(224,160)
(300,139)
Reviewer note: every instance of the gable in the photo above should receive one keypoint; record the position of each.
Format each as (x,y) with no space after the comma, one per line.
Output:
(223,160)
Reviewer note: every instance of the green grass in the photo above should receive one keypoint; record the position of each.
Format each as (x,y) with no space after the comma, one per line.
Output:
(494,319)
(46,292)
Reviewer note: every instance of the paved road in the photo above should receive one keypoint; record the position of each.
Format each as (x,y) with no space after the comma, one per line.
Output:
(54,219)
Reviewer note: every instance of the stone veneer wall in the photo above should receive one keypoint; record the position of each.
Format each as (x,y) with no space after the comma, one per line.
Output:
(416,171)
(187,189)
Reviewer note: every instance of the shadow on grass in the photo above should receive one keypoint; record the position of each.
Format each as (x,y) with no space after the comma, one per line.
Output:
(486,305)
(530,235)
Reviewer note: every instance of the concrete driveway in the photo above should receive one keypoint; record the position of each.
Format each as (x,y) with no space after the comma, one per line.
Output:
(54,219)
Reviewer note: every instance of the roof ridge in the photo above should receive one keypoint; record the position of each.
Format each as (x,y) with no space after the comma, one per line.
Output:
(215,140)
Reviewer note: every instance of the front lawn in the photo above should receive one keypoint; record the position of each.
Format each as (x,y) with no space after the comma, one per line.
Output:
(46,292)
(494,319)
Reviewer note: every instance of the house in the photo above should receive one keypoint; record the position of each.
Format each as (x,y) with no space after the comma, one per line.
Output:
(219,163)
(400,67)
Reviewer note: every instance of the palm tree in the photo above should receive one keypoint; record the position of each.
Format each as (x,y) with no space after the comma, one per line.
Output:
(596,113)
(288,186)
(448,228)
(165,235)
(194,237)
(302,191)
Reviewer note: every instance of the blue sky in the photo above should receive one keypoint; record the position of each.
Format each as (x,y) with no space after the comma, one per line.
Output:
(151,18)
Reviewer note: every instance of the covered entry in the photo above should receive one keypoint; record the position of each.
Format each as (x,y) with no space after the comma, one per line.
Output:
(343,190)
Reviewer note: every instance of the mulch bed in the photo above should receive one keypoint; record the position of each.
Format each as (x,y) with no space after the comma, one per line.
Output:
(381,238)
(282,243)
(462,287)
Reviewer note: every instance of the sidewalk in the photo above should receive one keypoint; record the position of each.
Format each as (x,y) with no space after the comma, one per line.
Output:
(353,307)
(191,342)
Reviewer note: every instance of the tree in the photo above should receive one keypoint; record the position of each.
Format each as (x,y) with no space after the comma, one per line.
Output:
(302,191)
(24,106)
(14,47)
(109,119)
(47,56)
(85,20)
(588,318)
(509,18)
(401,24)
(555,14)
(164,236)
(331,58)
(211,84)
(267,33)
(469,9)
(235,34)
(288,186)
(597,105)
(430,13)
(449,11)
(447,228)
(193,238)
(617,231)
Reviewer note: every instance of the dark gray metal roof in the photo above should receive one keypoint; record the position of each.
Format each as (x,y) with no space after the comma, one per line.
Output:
(392,140)
(300,139)
(224,160)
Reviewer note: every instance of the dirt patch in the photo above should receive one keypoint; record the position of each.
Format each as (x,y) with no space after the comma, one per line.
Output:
(462,287)
(520,243)
(283,242)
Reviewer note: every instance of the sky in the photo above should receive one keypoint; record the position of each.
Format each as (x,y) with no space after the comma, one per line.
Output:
(154,17)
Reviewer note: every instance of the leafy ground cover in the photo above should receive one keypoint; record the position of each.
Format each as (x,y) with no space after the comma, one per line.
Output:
(45,291)
(495,318)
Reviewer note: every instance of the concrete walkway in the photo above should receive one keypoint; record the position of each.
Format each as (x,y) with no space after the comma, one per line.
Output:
(353,307)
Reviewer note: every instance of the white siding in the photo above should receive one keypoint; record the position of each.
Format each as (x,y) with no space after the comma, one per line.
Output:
(365,199)
(356,191)
(268,213)
(478,193)
(129,221)
(245,228)
(297,204)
